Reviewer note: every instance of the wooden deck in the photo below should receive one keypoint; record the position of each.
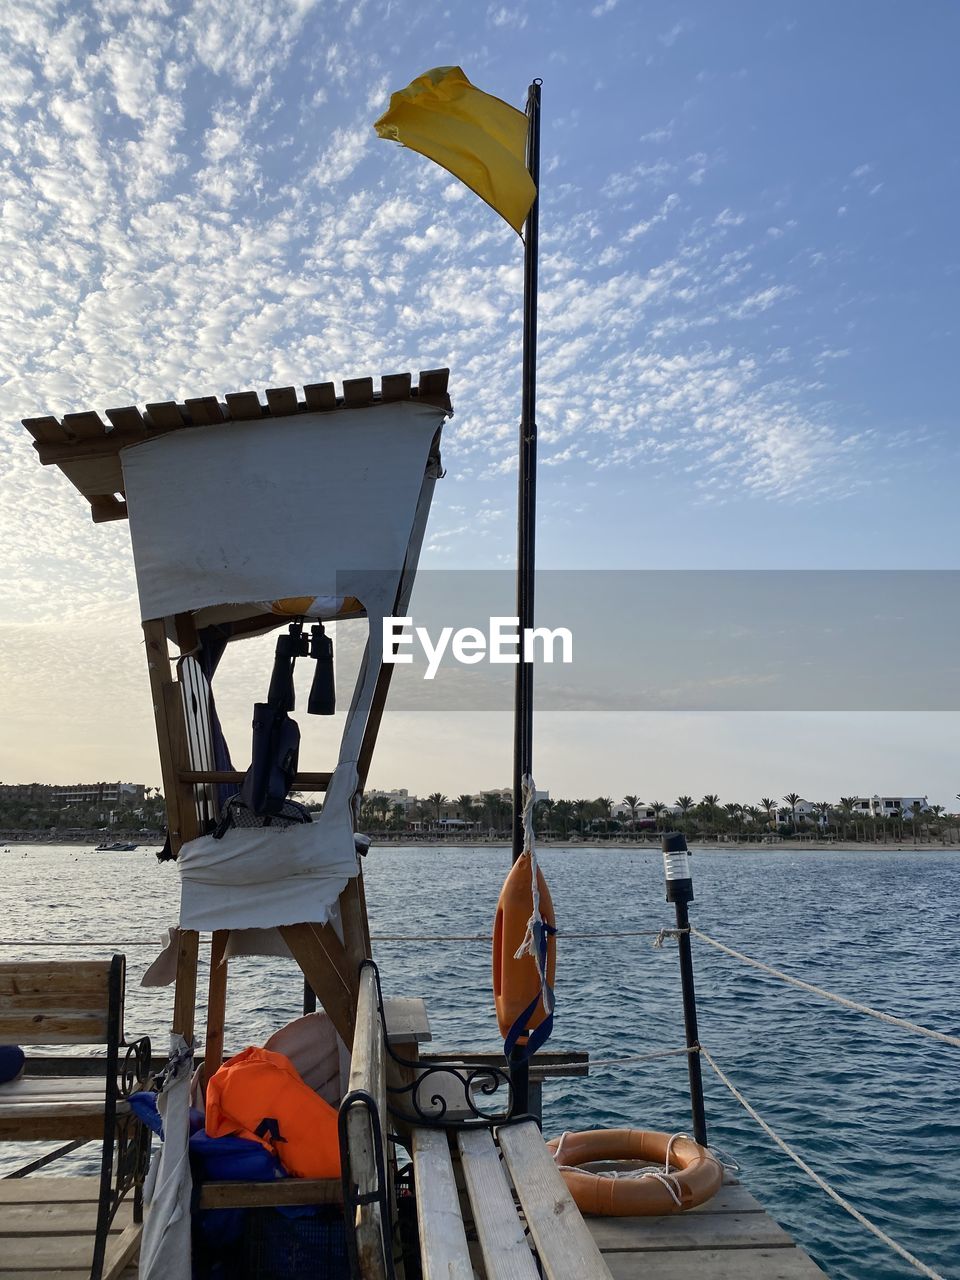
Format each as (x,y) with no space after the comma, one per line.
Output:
(46,1233)
(731,1237)
(46,1228)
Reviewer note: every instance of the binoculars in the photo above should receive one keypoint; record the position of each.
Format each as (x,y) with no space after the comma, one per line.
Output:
(293,645)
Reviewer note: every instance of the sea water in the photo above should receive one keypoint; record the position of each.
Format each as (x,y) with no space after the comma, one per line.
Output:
(871,1107)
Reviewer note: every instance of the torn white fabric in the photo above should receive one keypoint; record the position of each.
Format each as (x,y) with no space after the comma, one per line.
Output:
(165,1245)
(261,877)
(306,505)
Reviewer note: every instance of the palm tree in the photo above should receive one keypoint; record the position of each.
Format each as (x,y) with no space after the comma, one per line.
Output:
(914,817)
(846,808)
(768,804)
(657,807)
(793,800)
(581,807)
(937,811)
(605,805)
(438,800)
(632,802)
(563,812)
(823,809)
(465,808)
(709,806)
(684,804)
(542,810)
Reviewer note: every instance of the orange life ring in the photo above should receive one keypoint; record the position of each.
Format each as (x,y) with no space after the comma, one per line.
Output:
(695,1174)
(516,983)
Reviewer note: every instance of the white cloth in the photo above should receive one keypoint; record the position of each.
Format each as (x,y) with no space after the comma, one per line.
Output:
(259,877)
(165,1245)
(307,505)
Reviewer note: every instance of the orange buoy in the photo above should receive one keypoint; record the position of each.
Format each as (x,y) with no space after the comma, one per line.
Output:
(694,1173)
(516,983)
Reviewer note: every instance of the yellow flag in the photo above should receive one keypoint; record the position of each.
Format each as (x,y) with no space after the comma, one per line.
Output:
(478,138)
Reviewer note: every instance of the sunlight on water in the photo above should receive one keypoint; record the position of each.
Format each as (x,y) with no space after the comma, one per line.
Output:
(872,1108)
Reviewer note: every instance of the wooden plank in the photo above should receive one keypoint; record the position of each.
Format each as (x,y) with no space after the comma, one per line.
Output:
(282,401)
(320,396)
(84,426)
(63,1088)
(44,1190)
(547,1064)
(121,1251)
(285,1191)
(690,1231)
(367,1073)
(216,1004)
(564,1244)
(357,392)
(165,416)
(105,507)
(58,1219)
(308,947)
(395,386)
(43,1108)
(443,1241)
(161,675)
(407,1020)
(716,1264)
(244,406)
(433,386)
(87,1001)
(46,430)
(204,410)
(50,1128)
(185,994)
(54,1026)
(356,931)
(127,422)
(44,977)
(506,1254)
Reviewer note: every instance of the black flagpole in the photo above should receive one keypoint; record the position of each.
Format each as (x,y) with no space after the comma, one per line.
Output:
(527,502)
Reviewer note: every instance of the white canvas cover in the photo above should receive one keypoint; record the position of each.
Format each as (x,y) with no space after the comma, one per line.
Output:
(306,505)
(165,1244)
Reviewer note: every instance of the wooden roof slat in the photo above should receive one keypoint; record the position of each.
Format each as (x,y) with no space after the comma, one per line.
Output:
(88,450)
(204,411)
(107,507)
(84,426)
(357,392)
(166,416)
(282,401)
(244,406)
(128,420)
(433,383)
(46,430)
(395,386)
(320,396)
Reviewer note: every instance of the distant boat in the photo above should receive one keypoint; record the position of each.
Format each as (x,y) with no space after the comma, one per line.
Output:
(115,846)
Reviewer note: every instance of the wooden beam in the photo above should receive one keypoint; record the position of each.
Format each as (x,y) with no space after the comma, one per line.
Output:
(311,947)
(216,1005)
(161,676)
(185,997)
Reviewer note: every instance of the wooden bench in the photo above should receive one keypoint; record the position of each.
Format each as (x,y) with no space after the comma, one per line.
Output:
(511,1196)
(80,1002)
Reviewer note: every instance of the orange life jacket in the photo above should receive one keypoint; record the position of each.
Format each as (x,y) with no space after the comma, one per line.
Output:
(258,1094)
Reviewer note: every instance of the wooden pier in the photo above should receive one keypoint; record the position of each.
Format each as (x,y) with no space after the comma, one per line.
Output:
(46,1233)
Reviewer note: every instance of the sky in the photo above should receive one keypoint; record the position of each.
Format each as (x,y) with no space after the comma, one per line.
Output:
(748,335)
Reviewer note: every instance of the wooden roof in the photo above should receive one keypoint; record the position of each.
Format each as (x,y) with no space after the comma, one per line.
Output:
(87,449)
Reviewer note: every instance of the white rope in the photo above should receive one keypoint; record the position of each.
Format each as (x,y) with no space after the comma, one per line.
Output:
(903,1023)
(528,946)
(821,1183)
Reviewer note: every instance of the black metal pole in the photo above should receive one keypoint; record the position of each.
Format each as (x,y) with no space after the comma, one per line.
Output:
(676,868)
(527,484)
(526,530)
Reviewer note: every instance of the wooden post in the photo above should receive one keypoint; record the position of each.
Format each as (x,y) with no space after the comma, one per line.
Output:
(216,1004)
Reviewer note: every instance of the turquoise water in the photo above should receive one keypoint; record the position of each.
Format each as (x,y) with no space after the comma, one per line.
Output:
(872,1108)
